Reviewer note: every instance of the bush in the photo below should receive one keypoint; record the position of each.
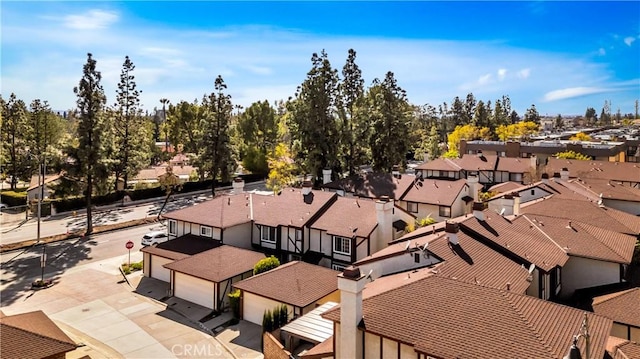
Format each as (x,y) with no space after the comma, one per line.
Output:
(14,198)
(267,321)
(425,221)
(234,302)
(266,264)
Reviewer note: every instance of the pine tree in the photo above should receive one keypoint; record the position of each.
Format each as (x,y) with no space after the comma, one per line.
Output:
(353,127)
(14,128)
(532,115)
(90,102)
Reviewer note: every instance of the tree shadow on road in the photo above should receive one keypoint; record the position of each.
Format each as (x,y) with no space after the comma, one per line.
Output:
(19,271)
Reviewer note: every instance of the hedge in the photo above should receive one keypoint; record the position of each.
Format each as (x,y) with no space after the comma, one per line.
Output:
(265,264)
(13,198)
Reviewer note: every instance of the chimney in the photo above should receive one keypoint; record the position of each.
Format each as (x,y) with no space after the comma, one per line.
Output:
(451,229)
(545,178)
(516,203)
(511,204)
(349,343)
(395,171)
(238,185)
(478,210)
(474,185)
(306,187)
(384,216)
(564,174)
(556,176)
(326,176)
(479,154)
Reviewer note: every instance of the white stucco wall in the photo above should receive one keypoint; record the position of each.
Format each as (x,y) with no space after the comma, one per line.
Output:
(583,273)
(400,263)
(238,236)
(254,306)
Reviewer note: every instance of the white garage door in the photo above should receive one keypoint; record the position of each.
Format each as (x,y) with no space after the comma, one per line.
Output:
(157,269)
(254,307)
(194,289)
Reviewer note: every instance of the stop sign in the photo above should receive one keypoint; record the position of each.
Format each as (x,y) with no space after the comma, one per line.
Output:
(129,245)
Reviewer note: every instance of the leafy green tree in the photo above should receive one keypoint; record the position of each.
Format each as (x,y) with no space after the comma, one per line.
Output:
(257,129)
(281,168)
(14,128)
(89,154)
(313,122)
(559,123)
(532,115)
(572,155)
(590,115)
(481,115)
(433,143)
(217,149)
(354,127)
(131,137)
(266,264)
(514,117)
(389,113)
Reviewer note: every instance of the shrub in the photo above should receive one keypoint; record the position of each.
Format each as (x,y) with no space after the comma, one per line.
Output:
(234,302)
(14,198)
(137,265)
(265,264)
(284,315)
(267,321)
(411,226)
(425,221)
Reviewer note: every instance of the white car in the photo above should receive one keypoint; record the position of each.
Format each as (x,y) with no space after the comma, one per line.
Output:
(154,237)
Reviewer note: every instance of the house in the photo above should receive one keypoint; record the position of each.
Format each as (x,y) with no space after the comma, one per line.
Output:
(152,174)
(627,173)
(372,185)
(50,181)
(33,335)
(350,229)
(206,278)
(454,319)
(155,257)
(451,254)
(624,309)
(298,285)
(439,199)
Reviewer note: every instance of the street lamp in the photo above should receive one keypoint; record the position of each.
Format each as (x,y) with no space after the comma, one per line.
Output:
(574,351)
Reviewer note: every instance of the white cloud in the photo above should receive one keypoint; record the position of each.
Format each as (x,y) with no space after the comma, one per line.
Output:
(501,74)
(629,40)
(90,20)
(259,70)
(484,79)
(524,73)
(602,51)
(572,92)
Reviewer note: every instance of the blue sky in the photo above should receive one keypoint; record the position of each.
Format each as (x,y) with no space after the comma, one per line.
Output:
(560,56)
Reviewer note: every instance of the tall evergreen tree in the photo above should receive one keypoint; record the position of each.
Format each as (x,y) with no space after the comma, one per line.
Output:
(257,130)
(481,115)
(532,114)
(314,125)
(91,101)
(14,128)
(353,127)
(46,131)
(131,137)
(390,119)
(469,109)
(216,139)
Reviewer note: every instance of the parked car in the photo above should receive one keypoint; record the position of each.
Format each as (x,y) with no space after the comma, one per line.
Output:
(3,206)
(154,237)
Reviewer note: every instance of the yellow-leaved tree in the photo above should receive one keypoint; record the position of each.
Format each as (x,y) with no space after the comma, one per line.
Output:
(521,131)
(580,136)
(465,132)
(281,168)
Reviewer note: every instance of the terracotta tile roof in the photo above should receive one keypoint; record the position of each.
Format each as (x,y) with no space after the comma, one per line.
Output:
(520,237)
(220,212)
(514,165)
(437,192)
(584,240)
(627,350)
(347,214)
(181,247)
(218,264)
(295,283)
(609,189)
(373,185)
(452,319)
(618,171)
(32,335)
(585,212)
(622,307)
(440,164)
(291,208)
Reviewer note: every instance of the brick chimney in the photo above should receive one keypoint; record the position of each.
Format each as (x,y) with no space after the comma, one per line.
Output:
(478,210)
(326,176)
(451,229)
(238,185)
(384,216)
(474,187)
(564,174)
(306,187)
(348,342)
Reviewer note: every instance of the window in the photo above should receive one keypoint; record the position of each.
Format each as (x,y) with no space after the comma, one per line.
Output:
(533,192)
(412,207)
(173,227)
(298,234)
(445,211)
(416,257)
(268,234)
(338,267)
(342,245)
(205,231)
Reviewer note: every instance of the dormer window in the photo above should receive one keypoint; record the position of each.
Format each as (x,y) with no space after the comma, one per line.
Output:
(342,245)
(268,234)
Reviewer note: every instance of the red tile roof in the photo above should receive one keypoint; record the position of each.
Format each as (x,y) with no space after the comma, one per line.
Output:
(220,212)
(373,185)
(452,319)
(349,216)
(619,171)
(622,307)
(32,335)
(585,212)
(295,283)
(218,264)
(291,208)
(437,192)
(520,237)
